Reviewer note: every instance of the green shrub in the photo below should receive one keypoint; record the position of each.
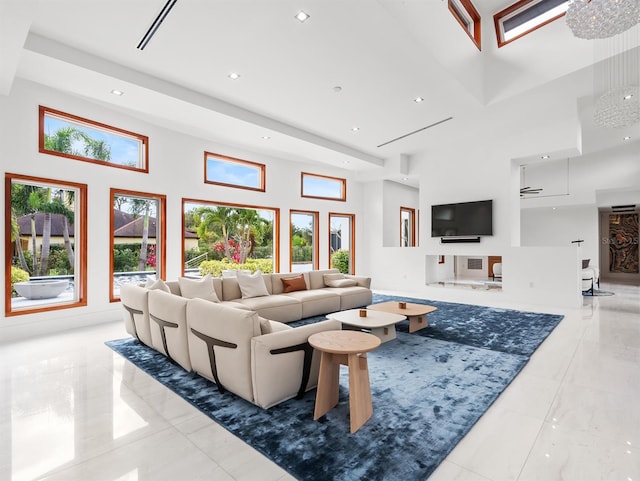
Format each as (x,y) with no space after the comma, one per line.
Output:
(215,268)
(17,275)
(340,260)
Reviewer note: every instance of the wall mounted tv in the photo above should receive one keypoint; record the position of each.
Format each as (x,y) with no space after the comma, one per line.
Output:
(464,219)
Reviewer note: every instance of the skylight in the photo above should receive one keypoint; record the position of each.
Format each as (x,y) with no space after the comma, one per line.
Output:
(525,16)
(468,18)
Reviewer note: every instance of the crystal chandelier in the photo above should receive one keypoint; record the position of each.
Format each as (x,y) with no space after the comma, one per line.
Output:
(591,19)
(617,80)
(618,108)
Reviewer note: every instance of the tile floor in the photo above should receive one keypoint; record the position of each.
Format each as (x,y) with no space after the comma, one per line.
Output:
(71,409)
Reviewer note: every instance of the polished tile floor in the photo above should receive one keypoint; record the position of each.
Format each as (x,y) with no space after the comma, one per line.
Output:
(71,409)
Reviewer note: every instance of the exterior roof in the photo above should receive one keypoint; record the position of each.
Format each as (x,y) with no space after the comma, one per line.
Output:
(126,225)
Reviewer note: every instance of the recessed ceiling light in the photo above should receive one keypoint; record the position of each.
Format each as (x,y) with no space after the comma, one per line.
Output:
(627,138)
(418,100)
(337,89)
(234,76)
(117,92)
(302,16)
(266,137)
(628,97)
(355,129)
(544,157)
(405,178)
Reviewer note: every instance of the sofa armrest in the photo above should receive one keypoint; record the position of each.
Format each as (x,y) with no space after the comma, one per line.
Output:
(361,280)
(278,363)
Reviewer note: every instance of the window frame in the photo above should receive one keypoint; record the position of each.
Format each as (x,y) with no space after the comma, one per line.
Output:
(473,28)
(315,234)
(79,243)
(143,139)
(510,11)
(412,234)
(276,226)
(328,178)
(352,240)
(261,168)
(161,233)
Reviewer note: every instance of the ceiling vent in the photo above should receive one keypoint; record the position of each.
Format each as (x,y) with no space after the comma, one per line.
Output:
(156,24)
(623,208)
(416,131)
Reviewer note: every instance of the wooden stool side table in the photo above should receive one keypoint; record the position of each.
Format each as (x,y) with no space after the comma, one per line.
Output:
(348,348)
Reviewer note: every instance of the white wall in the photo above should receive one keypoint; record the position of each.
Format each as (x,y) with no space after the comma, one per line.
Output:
(175,169)
(396,195)
(558,226)
(490,175)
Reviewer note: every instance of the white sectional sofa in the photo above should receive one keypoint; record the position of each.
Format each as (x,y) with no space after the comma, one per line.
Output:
(238,342)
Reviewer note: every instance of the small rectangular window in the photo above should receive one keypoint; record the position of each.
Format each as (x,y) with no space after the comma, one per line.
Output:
(231,172)
(73,137)
(526,16)
(323,187)
(469,18)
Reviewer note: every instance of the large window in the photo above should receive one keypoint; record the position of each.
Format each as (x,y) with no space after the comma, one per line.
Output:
(468,18)
(138,234)
(45,244)
(303,241)
(323,187)
(218,236)
(342,242)
(73,137)
(230,172)
(407,227)
(526,16)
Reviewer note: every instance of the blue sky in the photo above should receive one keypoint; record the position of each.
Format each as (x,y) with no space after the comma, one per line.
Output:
(232,173)
(124,151)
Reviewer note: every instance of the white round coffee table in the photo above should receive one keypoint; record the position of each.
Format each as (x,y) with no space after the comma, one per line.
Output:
(381,324)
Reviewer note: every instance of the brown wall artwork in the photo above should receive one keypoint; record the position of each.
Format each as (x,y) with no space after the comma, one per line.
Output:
(623,243)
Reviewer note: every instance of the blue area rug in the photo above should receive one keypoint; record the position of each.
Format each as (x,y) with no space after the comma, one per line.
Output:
(428,388)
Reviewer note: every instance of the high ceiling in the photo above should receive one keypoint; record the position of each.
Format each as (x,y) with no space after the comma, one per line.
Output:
(353,63)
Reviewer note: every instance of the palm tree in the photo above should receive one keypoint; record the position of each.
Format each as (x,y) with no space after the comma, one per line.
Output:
(15,237)
(221,219)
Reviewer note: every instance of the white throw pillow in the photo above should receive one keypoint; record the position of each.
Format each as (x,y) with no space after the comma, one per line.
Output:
(201,288)
(328,278)
(159,284)
(150,281)
(342,283)
(252,285)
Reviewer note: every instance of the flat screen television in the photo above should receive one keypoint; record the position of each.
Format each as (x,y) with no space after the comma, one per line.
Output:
(463,219)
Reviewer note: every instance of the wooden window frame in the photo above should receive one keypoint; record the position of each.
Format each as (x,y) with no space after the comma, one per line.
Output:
(316,237)
(352,233)
(342,181)
(470,9)
(262,168)
(276,226)
(144,140)
(80,244)
(412,215)
(499,17)
(161,233)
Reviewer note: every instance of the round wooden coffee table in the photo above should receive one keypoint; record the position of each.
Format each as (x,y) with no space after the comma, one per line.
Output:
(348,348)
(416,313)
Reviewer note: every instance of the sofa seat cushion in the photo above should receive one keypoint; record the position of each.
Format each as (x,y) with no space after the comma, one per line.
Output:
(278,307)
(352,297)
(235,304)
(317,301)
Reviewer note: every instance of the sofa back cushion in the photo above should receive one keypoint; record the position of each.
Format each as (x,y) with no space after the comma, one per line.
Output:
(135,311)
(229,331)
(316,278)
(168,321)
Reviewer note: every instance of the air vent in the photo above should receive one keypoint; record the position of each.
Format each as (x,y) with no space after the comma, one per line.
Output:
(623,208)
(416,131)
(474,264)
